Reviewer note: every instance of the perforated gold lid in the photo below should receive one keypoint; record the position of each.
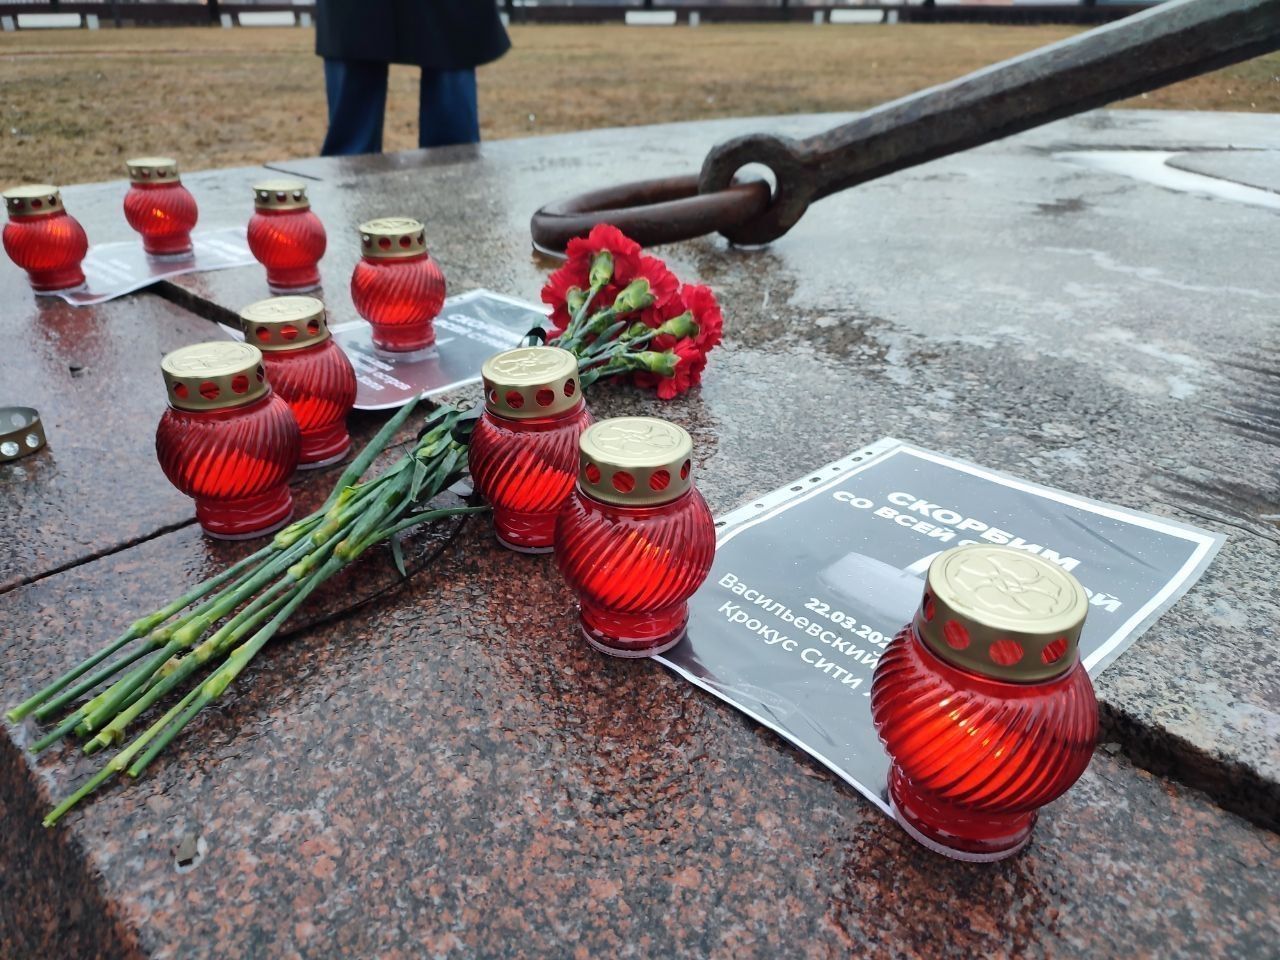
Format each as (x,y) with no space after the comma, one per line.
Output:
(531,382)
(280,195)
(635,461)
(393,237)
(1003,613)
(21,432)
(152,170)
(33,200)
(284,323)
(214,375)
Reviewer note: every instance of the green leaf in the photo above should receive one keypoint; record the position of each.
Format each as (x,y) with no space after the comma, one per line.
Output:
(419,475)
(397,554)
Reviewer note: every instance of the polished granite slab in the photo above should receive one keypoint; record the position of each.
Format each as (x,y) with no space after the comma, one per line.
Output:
(93,373)
(1011,305)
(1255,168)
(452,772)
(448,771)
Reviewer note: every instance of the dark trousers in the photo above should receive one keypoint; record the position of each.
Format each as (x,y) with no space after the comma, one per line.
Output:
(357,94)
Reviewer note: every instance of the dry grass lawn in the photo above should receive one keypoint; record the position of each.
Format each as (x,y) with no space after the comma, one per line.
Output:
(74,104)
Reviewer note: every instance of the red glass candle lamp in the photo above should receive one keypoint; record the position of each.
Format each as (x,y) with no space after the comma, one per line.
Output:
(159,207)
(982,702)
(227,440)
(306,369)
(396,286)
(635,538)
(524,450)
(43,239)
(285,236)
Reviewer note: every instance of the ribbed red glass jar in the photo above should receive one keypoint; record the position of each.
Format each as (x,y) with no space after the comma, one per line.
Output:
(226,440)
(982,702)
(285,236)
(43,239)
(524,449)
(307,370)
(159,207)
(635,539)
(396,285)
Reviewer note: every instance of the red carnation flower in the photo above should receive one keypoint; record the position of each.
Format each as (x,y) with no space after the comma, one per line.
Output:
(555,294)
(689,366)
(605,236)
(690,362)
(701,302)
(665,290)
(576,272)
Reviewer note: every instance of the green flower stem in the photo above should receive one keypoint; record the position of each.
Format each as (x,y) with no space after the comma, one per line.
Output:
(251,616)
(342,511)
(580,316)
(84,686)
(355,470)
(140,696)
(417,518)
(187,628)
(121,692)
(213,687)
(606,367)
(139,628)
(350,546)
(253,599)
(194,626)
(117,763)
(608,342)
(209,613)
(64,728)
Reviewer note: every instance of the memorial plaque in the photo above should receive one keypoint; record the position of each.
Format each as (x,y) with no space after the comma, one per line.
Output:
(472,327)
(113,269)
(812,582)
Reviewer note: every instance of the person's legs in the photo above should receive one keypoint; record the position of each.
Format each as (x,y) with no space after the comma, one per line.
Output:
(447,109)
(357,94)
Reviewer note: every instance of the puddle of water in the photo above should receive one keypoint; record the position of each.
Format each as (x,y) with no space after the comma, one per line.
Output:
(1150,166)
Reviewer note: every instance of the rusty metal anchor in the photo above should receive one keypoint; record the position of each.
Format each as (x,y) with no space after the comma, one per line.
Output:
(1171,42)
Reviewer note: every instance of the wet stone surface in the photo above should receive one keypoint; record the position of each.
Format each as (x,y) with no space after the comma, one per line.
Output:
(1010,305)
(449,770)
(93,373)
(1254,168)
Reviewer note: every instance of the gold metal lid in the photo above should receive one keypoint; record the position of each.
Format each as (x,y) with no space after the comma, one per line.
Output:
(284,323)
(531,382)
(393,237)
(21,432)
(152,170)
(1003,613)
(635,461)
(214,375)
(280,195)
(33,200)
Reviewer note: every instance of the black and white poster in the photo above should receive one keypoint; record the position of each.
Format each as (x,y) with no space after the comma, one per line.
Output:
(811,583)
(113,269)
(470,328)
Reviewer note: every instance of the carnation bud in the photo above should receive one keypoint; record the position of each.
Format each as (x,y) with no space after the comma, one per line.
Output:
(574,300)
(637,329)
(663,364)
(636,296)
(679,327)
(601,269)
